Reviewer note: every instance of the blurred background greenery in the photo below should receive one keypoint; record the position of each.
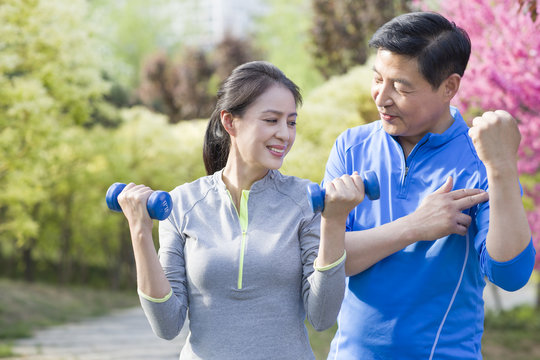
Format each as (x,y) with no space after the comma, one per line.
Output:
(94,92)
(97,92)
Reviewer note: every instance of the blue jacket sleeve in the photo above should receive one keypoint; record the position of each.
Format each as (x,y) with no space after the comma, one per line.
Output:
(510,275)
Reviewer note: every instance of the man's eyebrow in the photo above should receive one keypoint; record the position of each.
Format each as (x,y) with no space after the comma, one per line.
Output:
(396,80)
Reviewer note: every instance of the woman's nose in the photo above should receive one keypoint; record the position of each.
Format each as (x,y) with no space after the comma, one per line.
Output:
(283,130)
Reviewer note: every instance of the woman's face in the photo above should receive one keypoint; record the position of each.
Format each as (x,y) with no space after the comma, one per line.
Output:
(266,131)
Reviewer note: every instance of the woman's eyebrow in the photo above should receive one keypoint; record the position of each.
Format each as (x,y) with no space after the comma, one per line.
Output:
(276,112)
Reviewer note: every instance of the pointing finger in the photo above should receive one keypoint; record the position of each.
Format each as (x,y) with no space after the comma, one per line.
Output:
(462,193)
(472,200)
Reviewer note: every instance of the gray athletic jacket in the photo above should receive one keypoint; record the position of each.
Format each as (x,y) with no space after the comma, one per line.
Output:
(247,278)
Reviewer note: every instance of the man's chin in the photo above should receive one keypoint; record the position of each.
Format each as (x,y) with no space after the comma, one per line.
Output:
(391,129)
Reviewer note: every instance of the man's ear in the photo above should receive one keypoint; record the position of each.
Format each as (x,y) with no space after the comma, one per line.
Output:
(227,120)
(451,86)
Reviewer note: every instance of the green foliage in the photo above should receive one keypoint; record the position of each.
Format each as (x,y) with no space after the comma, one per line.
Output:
(343,102)
(49,77)
(55,169)
(129,30)
(522,317)
(283,35)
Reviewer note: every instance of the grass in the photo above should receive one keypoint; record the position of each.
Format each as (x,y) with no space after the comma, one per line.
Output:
(320,341)
(24,308)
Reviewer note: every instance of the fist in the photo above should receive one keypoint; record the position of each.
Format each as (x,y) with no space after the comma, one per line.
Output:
(342,196)
(496,138)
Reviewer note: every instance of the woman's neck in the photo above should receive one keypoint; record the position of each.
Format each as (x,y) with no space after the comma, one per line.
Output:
(238,178)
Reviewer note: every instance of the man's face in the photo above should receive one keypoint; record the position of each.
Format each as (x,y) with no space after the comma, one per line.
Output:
(408,105)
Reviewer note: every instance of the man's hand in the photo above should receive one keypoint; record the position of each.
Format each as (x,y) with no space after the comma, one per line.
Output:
(496,137)
(440,213)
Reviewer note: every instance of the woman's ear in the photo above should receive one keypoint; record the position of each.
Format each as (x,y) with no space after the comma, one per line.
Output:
(227,120)
(451,86)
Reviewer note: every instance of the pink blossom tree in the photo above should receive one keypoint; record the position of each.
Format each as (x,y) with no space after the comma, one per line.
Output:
(503,73)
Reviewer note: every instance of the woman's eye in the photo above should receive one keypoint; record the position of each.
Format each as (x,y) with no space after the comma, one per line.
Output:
(292,123)
(270,120)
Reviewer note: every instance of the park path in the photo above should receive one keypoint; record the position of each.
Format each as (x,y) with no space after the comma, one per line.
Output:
(121,335)
(126,334)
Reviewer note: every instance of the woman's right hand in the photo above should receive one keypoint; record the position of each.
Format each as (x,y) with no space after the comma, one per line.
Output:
(133,200)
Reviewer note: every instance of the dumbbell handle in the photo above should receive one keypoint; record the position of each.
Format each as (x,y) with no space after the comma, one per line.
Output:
(316,193)
(158,205)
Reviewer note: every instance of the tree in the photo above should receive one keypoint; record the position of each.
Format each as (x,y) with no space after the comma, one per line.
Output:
(283,35)
(186,89)
(531,7)
(49,80)
(341,31)
(231,52)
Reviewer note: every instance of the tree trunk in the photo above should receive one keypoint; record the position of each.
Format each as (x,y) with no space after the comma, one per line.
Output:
(66,264)
(538,295)
(28,261)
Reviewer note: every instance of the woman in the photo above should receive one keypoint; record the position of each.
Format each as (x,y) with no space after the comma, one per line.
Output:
(241,247)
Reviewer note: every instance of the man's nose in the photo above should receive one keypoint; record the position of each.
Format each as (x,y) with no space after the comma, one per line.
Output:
(382,96)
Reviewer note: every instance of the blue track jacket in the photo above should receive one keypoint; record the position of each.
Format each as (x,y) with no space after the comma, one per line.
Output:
(425,301)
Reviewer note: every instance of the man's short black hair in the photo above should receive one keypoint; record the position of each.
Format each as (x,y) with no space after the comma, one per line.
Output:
(440,47)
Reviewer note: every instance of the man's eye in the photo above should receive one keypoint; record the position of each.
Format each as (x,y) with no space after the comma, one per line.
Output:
(401,90)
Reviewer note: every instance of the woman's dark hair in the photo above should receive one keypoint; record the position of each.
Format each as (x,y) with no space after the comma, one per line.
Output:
(245,84)
(440,47)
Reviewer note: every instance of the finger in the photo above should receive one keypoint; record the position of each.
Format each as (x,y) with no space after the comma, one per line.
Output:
(472,200)
(447,186)
(503,114)
(462,193)
(473,132)
(359,183)
(477,121)
(464,220)
(353,185)
(484,119)
(128,187)
(343,186)
(461,229)
(141,189)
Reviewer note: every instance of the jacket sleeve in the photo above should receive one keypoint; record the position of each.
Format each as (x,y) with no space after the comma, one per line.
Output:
(510,275)
(166,316)
(323,288)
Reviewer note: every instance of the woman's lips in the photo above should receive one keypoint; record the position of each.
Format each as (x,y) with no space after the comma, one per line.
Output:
(277,150)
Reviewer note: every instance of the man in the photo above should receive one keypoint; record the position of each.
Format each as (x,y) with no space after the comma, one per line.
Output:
(418,256)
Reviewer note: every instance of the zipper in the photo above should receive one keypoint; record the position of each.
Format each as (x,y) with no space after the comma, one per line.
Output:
(408,163)
(243,220)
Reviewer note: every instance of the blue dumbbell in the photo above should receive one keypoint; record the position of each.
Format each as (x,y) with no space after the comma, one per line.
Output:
(159,204)
(316,194)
